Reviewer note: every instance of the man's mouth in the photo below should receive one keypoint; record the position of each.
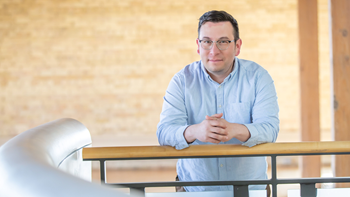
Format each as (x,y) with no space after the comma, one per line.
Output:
(215,60)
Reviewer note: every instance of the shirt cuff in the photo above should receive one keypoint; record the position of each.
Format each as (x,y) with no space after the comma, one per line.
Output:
(253,140)
(180,138)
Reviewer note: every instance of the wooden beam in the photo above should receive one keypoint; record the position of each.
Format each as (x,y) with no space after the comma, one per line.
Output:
(309,82)
(124,152)
(340,20)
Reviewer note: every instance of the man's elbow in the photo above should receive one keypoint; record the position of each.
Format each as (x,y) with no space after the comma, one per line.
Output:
(275,130)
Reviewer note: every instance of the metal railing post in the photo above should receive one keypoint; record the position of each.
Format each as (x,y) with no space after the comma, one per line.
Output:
(308,190)
(140,191)
(274,175)
(103,171)
(240,190)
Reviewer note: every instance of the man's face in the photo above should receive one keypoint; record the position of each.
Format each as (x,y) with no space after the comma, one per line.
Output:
(218,62)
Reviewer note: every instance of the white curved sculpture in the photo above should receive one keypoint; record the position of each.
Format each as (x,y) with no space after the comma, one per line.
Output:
(46,162)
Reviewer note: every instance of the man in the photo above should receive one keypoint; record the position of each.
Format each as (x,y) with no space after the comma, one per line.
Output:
(222,100)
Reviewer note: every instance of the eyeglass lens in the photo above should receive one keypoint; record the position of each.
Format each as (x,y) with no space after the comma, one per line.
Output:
(221,44)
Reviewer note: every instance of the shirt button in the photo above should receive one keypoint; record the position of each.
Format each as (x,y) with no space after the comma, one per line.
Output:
(219,86)
(219,106)
(221,165)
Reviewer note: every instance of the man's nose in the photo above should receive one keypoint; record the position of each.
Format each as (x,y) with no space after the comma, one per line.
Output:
(214,49)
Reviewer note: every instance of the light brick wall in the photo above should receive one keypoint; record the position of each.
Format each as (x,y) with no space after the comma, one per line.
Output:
(108,63)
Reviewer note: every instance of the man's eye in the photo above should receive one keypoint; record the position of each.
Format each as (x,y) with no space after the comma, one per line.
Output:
(223,42)
(206,41)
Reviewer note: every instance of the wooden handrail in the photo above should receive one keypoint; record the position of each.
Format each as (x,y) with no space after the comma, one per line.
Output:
(139,152)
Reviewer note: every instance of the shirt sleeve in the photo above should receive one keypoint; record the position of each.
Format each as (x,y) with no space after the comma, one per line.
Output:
(265,122)
(173,119)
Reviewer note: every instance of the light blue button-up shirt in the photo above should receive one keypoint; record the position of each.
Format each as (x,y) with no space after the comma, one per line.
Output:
(247,96)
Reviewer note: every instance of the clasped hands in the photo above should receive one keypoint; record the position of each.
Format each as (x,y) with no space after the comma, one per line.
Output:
(215,129)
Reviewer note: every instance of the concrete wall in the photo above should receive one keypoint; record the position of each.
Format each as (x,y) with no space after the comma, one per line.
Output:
(108,63)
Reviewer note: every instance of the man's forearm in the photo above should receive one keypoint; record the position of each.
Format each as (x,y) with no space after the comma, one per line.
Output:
(240,131)
(189,134)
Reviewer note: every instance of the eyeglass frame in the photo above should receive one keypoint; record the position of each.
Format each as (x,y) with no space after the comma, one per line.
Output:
(216,42)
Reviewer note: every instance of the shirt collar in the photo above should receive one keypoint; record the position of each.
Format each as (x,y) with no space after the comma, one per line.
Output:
(235,68)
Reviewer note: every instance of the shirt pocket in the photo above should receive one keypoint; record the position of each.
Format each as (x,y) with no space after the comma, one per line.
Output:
(238,113)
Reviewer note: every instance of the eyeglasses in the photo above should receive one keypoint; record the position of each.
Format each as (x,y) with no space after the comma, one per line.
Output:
(221,44)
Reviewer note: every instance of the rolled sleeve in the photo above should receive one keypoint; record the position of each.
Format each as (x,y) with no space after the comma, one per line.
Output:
(181,142)
(252,141)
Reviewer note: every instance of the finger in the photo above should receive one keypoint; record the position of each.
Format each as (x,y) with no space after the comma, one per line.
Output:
(219,131)
(218,137)
(218,123)
(213,117)
(217,115)
(208,117)
(213,140)
(226,139)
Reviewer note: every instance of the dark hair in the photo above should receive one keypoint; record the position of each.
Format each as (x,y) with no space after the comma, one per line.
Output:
(219,16)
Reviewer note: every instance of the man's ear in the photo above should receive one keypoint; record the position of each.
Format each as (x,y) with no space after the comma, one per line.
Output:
(238,47)
(198,45)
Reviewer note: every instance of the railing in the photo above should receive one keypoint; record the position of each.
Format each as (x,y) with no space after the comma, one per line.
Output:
(307,185)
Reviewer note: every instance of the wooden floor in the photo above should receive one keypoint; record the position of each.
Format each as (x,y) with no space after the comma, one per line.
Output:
(169,174)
